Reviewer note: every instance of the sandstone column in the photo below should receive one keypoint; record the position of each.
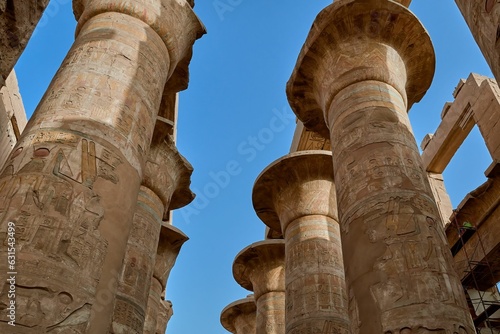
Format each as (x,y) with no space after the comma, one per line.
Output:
(260,268)
(295,195)
(18,20)
(483,19)
(71,184)
(169,246)
(365,62)
(239,316)
(167,174)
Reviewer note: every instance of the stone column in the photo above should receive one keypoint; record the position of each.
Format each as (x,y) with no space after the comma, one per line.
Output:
(260,268)
(239,316)
(168,173)
(363,64)
(18,20)
(71,183)
(169,246)
(483,19)
(296,196)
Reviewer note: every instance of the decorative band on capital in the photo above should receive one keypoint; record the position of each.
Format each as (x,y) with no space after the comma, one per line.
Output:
(173,20)
(400,47)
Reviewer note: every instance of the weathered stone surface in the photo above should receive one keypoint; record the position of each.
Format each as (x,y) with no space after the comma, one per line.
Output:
(165,313)
(260,268)
(307,140)
(481,252)
(169,245)
(441,197)
(12,116)
(296,196)
(359,38)
(166,180)
(239,316)
(17,23)
(72,181)
(168,174)
(483,19)
(477,102)
(135,277)
(363,64)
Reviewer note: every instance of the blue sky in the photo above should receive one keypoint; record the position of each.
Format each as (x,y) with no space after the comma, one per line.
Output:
(234,120)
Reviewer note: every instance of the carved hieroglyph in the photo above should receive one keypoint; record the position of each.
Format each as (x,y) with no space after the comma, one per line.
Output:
(296,196)
(169,174)
(260,268)
(169,246)
(364,63)
(71,183)
(239,317)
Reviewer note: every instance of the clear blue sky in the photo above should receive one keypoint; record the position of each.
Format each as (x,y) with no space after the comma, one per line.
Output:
(238,76)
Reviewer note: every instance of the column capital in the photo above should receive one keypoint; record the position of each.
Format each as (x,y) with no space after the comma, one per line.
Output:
(173,20)
(260,267)
(359,40)
(169,246)
(239,316)
(296,185)
(168,174)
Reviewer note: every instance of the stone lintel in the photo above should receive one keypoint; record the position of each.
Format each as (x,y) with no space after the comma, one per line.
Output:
(168,174)
(260,267)
(361,38)
(296,185)
(173,20)
(242,310)
(477,101)
(169,246)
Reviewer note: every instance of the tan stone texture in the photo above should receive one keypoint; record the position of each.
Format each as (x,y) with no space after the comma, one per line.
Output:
(72,181)
(307,140)
(239,317)
(165,313)
(296,196)
(135,277)
(481,253)
(483,19)
(260,268)
(12,116)
(441,197)
(165,186)
(169,245)
(17,23)
(364,63)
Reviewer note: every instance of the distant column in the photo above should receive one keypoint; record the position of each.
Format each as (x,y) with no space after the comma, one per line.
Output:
(169,246)
(295,195)
(364,63)
(167,178)
(239,316)
(260,268)
(70,185)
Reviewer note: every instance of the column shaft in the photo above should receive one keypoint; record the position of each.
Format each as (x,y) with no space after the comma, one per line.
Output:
(71,183)
(270,318)
(314,274)
(153,309)
(135,278)
(397,263)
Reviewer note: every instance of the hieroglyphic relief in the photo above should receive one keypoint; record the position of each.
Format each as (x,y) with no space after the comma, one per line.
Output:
(46,188)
